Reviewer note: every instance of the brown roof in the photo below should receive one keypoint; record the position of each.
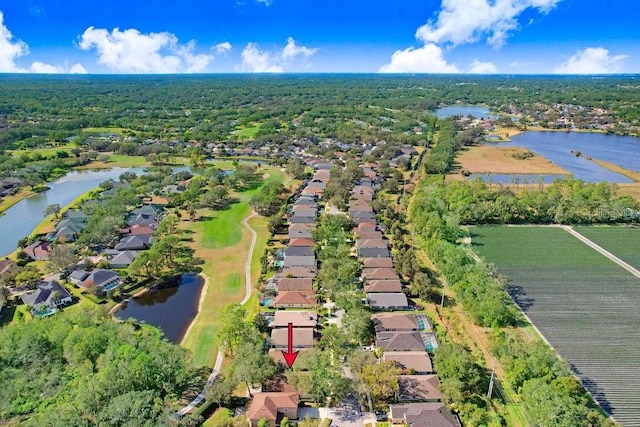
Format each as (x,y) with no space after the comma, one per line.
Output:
(300,226)
(302,337)
(267,405)
(302,241)
(383,286)
(300,319)
(295,299)
(406,360)
(369,234)
(418,388)
(379,273)
(367,225)
(371,243)
(395,322)
(138,229)
(295,284)
(383,262)
(298,272)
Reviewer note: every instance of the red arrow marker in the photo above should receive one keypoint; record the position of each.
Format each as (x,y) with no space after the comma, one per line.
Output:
(290,356)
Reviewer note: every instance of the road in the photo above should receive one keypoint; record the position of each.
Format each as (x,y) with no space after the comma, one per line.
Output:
(247,294)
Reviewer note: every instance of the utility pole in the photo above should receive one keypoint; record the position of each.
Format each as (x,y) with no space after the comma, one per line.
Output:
(493,373)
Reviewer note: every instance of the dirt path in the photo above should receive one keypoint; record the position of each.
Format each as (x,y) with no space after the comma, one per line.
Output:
(603,251)
(220,357)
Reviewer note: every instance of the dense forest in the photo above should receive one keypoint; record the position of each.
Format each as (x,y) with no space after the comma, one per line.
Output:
(80,368)
(213,108)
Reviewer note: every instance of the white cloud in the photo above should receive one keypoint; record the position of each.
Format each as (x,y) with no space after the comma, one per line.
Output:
(222,48)
(10,49)
(592,60)
(77,69)
(131,51)
(479,67)
(256,60)
(426,59)
(42,68)
(467,21)
(291,50)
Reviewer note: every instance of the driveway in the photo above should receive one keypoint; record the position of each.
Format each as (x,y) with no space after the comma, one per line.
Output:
(347,414)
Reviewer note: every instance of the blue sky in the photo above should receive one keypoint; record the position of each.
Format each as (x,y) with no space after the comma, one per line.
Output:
(222,36)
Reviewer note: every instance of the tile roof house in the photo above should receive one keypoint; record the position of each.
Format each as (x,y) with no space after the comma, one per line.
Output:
(377,262)
(38,250)
(417,362)
(381,286)
(369,234)
(380,274)
(122,259)
(303,242)
(400,341)
(299,251)
(300,319)
(134,243)
(388,301)
(371,243)
(139,229)
(393,322)
(104,280)
(428,414)
(374,253)
(289,272)
(302,338)
(272,407)
(297,299)
(300,261)
(295,284)
(418,388)
(47,298)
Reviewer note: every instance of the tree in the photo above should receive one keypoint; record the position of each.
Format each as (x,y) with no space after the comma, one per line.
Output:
(263,422)
(233,328)
(251,365)
(295,168)
(168,226)
(29,276)
(53,209)
(221,390)
(460,377)
(381,382)
(61,257)
(358,325)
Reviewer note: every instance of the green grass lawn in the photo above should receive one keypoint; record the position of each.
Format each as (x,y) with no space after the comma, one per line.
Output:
(225,227)
(248,132)
(622,241)
(117,131)
(46,152)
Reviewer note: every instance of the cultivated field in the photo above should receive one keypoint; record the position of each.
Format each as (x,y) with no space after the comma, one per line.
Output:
(485,159)
(585,306)
(622,241)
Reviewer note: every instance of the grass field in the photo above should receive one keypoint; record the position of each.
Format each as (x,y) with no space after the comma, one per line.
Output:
(117,131)
(496,159)
(584,305)
(621,241)
(247,132)
(223,243)
(46,152)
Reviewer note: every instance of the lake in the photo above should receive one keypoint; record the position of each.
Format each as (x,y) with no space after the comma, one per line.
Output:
(465,110)
(20,220)
(557,147)
(171,309)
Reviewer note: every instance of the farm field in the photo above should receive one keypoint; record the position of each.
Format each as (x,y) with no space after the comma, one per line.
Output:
(585,306)
(621,241)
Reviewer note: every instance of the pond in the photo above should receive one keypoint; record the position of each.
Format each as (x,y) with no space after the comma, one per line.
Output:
(19,220)
(171,308)
(560,148)
(465,110)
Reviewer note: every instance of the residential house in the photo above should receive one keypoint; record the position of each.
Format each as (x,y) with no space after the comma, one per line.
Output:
(427,414)
(384,262)
(299,251)
(67,231)
(382,286)
(38,250)
(303,272)
(133,219)
(294,284)
(78,276)
(103,280)
(295,299)
(122,259)
(302,219)
(139,230)
(395,322)
(134,243)
(388,301)
(7,265)
(272,407)
(301,338)
(371,243)
(374,253)
(411,362)
(380,274)
(400,341)
(308,242)
(369,235)
(300,261)
(300,319)
(47,298)
(418,388)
